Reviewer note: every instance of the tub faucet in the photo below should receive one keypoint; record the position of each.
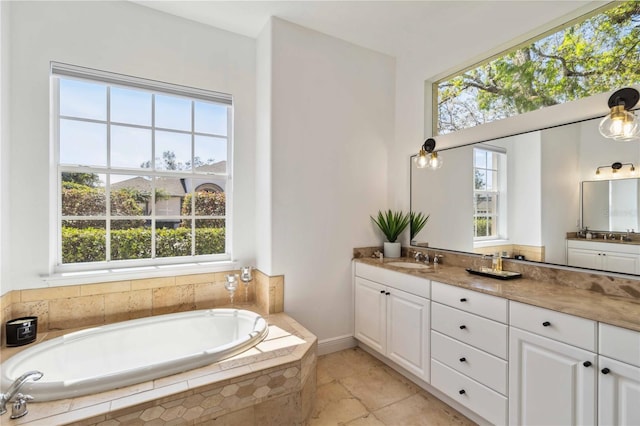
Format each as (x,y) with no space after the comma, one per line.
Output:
(20,407)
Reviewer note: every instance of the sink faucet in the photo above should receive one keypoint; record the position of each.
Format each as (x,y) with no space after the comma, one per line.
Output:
(20,408)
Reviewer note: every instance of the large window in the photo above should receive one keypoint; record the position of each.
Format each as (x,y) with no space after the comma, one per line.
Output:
(142,170)
(592,56)
(489,194)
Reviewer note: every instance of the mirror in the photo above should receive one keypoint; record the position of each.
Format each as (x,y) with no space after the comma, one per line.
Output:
(522,194)
(610,205)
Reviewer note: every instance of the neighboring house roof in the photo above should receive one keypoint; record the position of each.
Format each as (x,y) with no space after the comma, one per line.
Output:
(219,167)
(172,186)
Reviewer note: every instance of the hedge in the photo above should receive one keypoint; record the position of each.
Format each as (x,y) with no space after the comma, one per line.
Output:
(80,200)
(89,244)
(207,204)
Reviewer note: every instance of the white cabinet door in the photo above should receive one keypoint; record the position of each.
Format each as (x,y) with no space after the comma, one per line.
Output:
(370,314)
(618,393)
(584,258)
(601,259)
(619,262)
(550,383)
(408,332)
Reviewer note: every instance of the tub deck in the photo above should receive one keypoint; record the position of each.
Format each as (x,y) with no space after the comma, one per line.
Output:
(271,383)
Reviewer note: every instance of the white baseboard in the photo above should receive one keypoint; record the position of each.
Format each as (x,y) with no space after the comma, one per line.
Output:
(335,344)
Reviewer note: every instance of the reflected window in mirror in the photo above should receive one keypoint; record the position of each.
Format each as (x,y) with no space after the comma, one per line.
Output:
(489,193)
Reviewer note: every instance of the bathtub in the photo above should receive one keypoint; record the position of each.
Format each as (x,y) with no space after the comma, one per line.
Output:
(129,352)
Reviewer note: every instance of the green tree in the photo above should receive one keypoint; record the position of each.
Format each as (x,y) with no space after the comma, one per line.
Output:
(87,179)
(169,162)
(594,56)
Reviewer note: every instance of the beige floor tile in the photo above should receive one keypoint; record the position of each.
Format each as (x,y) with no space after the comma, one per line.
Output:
(377,388)
(368,420)
(339,365)
(335,405)
(420,409)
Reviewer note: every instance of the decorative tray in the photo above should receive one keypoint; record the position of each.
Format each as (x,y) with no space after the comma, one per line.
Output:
(500,275)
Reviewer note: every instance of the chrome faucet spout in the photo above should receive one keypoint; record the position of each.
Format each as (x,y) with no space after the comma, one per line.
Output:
(15,387)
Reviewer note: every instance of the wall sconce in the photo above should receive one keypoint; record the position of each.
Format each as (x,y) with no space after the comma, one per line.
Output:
(621,124)
(427,158)
(615,167)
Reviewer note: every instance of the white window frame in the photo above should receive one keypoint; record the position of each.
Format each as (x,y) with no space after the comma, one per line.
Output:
(500,223)
(66,71)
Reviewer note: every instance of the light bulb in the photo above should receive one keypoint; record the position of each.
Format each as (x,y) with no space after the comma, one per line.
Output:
(421,160)
(435,162)
(619,124)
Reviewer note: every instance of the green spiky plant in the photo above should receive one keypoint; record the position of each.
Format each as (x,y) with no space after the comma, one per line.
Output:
(391,224)
(417,222)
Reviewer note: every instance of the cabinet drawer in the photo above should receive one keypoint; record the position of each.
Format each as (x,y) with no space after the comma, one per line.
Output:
(620,343)
(478,398)
(487,306)
(405,282)
(487,369)
(566,328)
(488,335)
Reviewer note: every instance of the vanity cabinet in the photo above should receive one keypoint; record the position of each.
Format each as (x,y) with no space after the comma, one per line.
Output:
(619,376)
(469,349)
(551,381)
(608,256)
(392,316)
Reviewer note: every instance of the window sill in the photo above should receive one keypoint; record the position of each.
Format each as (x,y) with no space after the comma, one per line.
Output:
(123,274)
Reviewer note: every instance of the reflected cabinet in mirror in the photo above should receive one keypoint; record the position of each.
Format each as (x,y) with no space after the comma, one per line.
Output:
(532,195)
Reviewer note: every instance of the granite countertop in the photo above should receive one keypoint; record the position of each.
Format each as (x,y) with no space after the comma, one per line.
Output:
(614,310)
(602,240)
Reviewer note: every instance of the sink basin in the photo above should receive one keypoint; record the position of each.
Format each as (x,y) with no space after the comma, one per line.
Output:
(409,265)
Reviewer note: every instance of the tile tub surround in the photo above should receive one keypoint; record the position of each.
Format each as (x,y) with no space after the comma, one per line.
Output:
(60,308)
(272,383)
(603,298)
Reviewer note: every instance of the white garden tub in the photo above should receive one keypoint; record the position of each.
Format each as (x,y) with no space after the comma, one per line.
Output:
(129,352)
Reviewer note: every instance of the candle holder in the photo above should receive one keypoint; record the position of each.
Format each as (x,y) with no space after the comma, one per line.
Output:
(231,285)
(246,276)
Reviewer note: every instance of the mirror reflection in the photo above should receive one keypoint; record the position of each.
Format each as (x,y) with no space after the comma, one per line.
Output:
(529,194)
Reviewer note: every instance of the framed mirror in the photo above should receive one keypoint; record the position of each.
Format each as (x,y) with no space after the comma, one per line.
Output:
(526,194)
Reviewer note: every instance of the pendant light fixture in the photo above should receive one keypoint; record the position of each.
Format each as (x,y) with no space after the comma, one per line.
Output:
(427,158)
(621,124)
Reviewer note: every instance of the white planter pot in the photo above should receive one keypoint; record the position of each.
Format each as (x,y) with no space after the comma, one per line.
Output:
(392,249)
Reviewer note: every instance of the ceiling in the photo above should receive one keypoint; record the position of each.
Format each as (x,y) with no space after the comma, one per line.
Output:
(433,36)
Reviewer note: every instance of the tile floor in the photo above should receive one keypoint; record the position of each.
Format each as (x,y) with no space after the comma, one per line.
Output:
(356,389)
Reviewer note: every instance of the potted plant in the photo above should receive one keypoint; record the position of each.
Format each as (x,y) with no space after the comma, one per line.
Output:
(417,221)
(392,224)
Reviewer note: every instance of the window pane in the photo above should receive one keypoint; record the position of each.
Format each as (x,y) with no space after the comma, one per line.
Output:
(492,181)
(85,244)
(83,99)
(130,240)
(83,143)
(173,112)
(174,242)
(480,179)
(480,159)
(173,151)
(210,154)
(586,58)
(130,106)
(170,194)
(210,118)
(210,237)
(131,196)
(130,147)
(82,194)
